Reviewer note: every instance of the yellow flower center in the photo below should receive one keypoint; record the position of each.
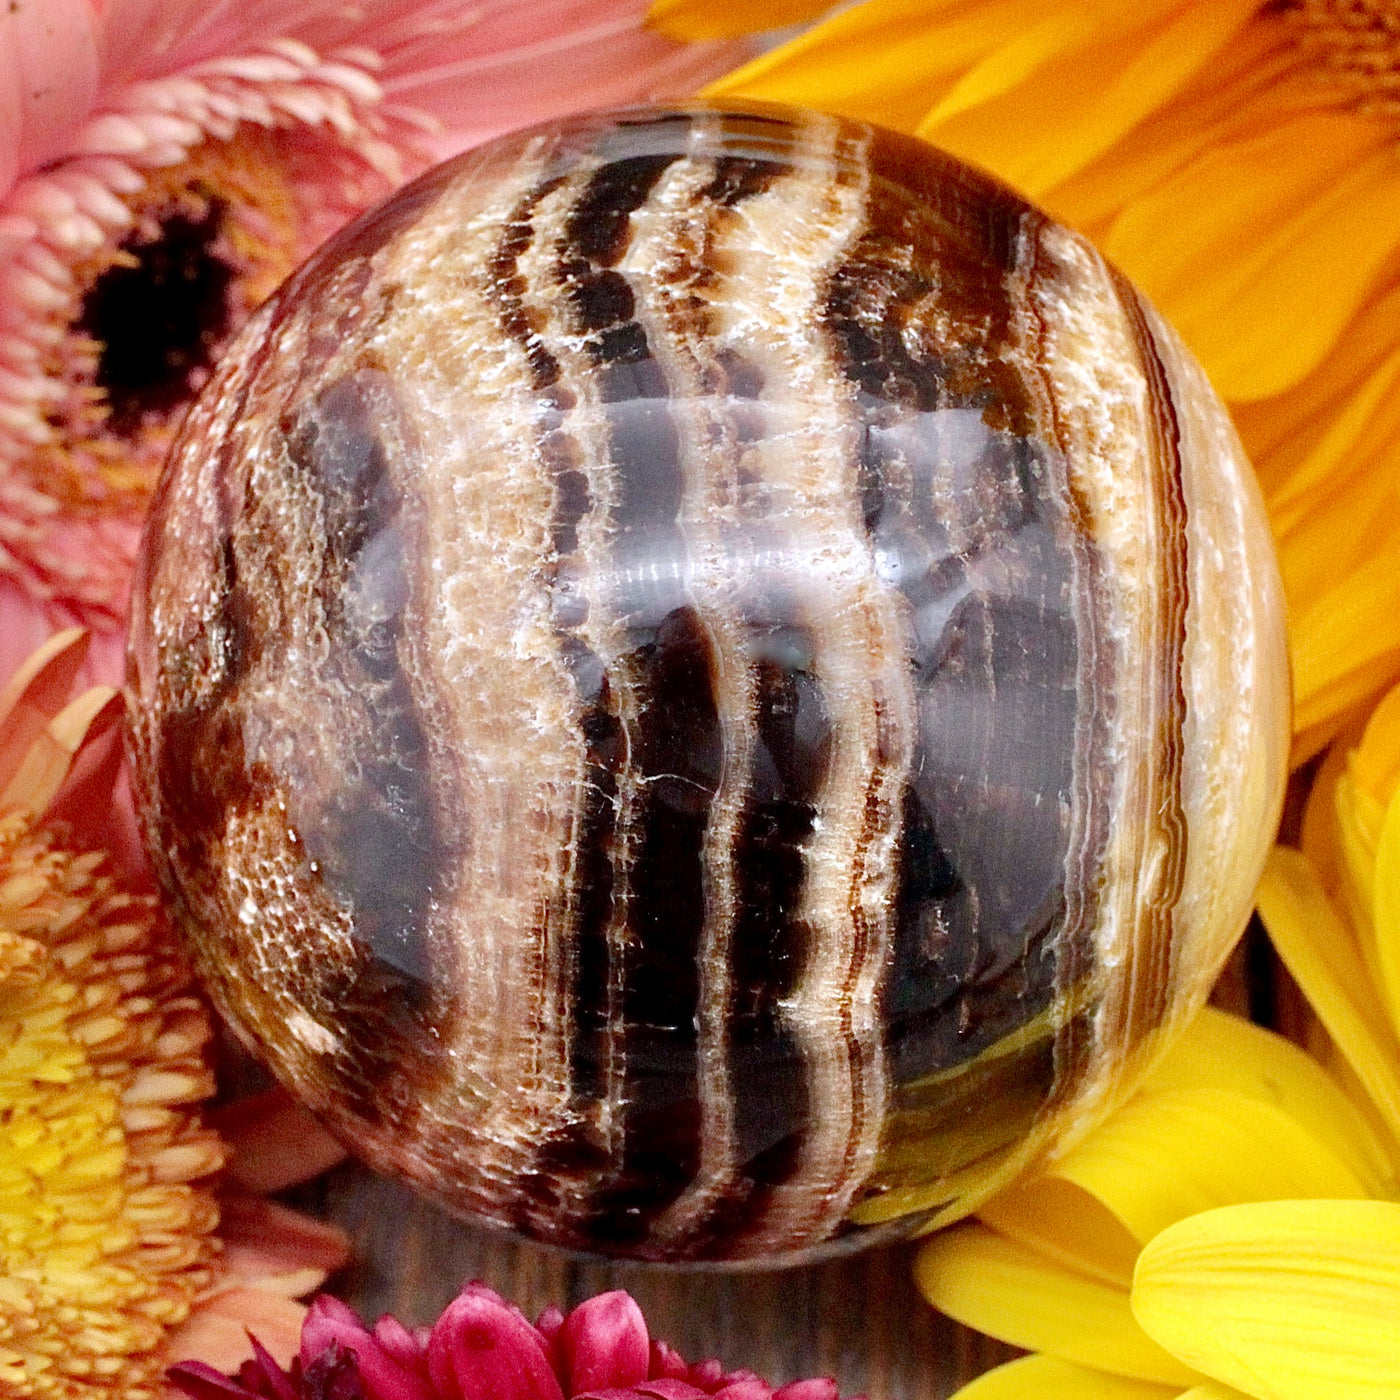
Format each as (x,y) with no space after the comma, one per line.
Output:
(1356,43)
(105,1242)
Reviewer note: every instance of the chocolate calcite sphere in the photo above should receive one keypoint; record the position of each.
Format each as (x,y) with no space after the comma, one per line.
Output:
(705,680)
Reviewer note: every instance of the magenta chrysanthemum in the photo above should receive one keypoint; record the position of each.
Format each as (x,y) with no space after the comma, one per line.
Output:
(482,1348)
(165,163)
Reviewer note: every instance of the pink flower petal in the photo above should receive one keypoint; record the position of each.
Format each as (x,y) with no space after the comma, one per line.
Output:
(330,1321)
(25,622)
(48,73)
(203,1382)
(818,1388)
(470,65)
(709,1375)
(274,1379)
(401,1344)
(217,1330)
(276,1143)
(139,37)
(669,1388)
(549,1323)
(749,1388)
(604,1344)
(482,1349)
(518,64)
(96,94)
(667,1361)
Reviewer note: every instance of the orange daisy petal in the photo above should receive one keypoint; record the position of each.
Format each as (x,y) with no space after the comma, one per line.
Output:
(1037,128)
(217,1331)
(1267,212)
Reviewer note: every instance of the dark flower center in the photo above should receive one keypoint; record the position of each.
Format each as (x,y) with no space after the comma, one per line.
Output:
(160,314)
(1356,44)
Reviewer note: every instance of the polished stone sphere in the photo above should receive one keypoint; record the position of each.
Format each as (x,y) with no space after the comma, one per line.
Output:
(708,681)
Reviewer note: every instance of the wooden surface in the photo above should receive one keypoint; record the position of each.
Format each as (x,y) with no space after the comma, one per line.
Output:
(858,1319)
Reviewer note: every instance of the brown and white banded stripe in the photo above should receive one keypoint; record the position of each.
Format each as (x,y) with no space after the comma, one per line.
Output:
(756,567)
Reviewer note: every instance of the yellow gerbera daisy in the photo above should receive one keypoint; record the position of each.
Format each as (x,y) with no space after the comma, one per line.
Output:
(110,1267)
(104,1241)
(1134,1264)
(1237,160)
(1202,1232)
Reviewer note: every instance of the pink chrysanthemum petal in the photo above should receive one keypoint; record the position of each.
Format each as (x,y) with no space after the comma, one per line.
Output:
(401,1344)
(817,1388)
(381,1374)
(668,1388)
(549,1323)
(483,1349)
(202,1382)
(604,1345)
(329,1320)
(273,1376)
(748,1389)
(666,1362)
(707,1374)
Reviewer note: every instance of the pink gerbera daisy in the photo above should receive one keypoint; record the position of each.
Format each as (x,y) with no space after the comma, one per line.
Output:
(482,1348)
(165,163)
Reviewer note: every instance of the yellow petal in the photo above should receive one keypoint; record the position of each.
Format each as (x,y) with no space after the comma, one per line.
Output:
(1223,1148)
(1329,450)
(1321,954)
(1043,106)
(1280,432)
(1287,1300)
(1386,910)
(1321,838)
(1237,80)
(1375,762)
(885,61)
(1010,1292)
(1227,1053)
(1049,1378)
(694,21)
(1023,53)
(1365,682)
(1249,1115)
(1343,512)
(1360,818)
(1293,222)
(1346,642)
(1061,1221)
(1213,1390)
